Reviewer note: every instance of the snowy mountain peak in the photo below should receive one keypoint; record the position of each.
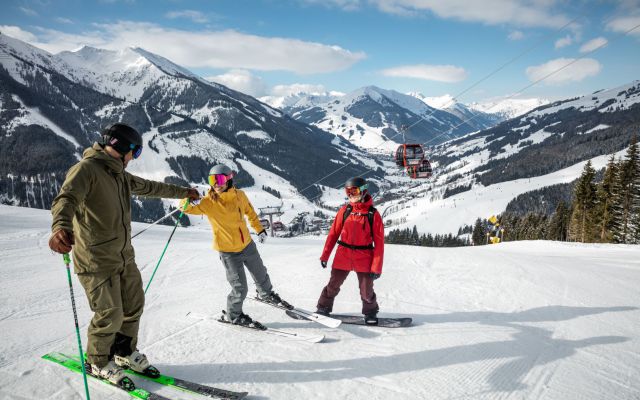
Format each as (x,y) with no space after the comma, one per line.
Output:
(295,101)
(126,73)
(509,108)
(21,60)
(373,92)
(106,61)
(440,102)
(165,65)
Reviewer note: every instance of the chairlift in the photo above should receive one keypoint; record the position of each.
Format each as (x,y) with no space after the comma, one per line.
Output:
(278,226)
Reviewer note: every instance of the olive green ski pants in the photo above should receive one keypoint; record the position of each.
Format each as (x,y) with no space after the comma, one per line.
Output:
(117,300)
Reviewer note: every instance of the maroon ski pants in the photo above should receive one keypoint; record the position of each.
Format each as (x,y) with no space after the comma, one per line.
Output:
(329,293)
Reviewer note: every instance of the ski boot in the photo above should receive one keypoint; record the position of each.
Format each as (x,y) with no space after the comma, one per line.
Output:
(371,318)
(323,311)
(242,320)
(274,298)
(112,373)
(137,362)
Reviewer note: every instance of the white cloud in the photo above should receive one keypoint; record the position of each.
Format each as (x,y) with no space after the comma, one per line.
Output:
(593,44)
(28,11)
(523,13)
(214,49)
(347,5)
(285,90)
(18,33)
(242,81)
(195,16)
(623,24)
(64,20)
(579,70)
(440,73)
(516,35)
(563,42)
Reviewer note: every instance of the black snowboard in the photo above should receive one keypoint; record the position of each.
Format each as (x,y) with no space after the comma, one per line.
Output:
(359,320)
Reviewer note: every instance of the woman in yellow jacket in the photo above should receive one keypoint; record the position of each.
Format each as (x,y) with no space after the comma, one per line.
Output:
(226,206)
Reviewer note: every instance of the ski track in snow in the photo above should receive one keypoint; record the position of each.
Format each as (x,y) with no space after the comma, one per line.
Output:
(523,320)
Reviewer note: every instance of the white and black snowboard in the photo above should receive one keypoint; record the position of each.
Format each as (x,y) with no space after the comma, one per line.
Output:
(383,322)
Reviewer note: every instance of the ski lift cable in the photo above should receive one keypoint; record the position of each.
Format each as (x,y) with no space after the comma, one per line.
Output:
(541,79)
(457,96)
(524,88)
(495,71)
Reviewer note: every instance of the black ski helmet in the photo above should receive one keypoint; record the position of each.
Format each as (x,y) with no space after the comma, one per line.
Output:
(123,139)
(358,182)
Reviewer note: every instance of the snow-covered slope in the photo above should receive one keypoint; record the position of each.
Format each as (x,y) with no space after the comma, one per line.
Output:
(509,108)
(373,118)
(525,320)
(434,214)
(296,101)
(52,106)
(127,73)
(487,169)
(479,120)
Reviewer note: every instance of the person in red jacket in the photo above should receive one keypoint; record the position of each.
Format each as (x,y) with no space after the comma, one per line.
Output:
(359,232)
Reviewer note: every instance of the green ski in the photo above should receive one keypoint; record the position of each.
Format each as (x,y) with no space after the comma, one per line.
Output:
(74,365)
(187,386)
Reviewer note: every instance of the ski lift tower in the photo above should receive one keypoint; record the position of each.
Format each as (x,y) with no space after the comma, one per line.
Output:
(270,212)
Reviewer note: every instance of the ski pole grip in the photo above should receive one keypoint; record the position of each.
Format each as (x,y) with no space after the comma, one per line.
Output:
(66,258)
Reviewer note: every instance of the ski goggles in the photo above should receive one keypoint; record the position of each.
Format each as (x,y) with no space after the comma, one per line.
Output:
(219,179)
(136,149)
(355,190)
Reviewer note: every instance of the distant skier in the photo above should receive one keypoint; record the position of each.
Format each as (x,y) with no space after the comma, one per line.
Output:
(92,215)
(226,207)
(359,232)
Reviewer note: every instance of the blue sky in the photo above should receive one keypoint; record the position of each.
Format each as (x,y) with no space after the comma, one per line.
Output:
(434,47)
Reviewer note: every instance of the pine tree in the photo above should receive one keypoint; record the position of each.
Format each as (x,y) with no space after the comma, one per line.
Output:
(415,236)
(559,222)
(605,198)
(625,207)
(478,235)
(582,227)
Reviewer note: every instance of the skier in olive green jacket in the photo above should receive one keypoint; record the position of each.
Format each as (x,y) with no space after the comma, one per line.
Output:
(92,215)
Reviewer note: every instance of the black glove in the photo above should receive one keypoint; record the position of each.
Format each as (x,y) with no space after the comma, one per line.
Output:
(374,276)
(262,236)
(323,263)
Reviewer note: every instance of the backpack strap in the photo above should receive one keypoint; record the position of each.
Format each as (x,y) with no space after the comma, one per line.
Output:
(347,211)
(370,216)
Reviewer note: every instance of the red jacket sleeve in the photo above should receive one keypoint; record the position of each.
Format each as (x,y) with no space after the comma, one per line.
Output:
(378,242)
(334,234)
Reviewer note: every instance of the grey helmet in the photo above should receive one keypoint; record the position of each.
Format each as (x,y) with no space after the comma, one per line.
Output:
(220,169)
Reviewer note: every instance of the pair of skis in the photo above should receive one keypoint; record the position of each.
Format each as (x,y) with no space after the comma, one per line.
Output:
(332,321)
(73,363)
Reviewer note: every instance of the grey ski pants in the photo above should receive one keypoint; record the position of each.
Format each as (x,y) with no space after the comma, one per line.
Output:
(234,266)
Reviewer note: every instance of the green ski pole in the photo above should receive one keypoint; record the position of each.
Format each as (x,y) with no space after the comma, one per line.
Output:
(186,204)
(67,261)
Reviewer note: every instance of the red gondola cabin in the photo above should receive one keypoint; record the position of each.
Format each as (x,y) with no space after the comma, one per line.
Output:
(409,155)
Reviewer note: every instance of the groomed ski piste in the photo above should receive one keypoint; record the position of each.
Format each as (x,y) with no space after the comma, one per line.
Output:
(519,320)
